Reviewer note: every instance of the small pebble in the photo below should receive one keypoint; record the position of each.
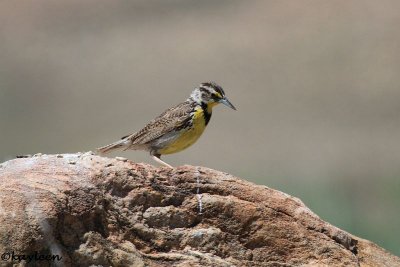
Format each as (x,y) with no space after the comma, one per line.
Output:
(121,159)
(125,210)
(60,156)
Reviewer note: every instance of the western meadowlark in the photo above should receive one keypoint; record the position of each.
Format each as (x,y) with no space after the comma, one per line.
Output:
(178,127)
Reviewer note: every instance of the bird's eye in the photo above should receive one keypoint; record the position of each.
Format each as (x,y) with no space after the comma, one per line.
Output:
(215,96)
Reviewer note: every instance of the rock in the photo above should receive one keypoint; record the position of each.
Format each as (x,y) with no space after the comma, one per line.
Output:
(95,211)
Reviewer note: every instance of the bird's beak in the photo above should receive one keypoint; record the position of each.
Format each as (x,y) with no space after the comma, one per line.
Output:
(227,103)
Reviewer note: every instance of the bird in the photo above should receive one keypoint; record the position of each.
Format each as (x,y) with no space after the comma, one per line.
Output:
(177,128)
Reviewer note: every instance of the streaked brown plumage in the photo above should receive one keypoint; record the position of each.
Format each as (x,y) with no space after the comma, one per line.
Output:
(171,119)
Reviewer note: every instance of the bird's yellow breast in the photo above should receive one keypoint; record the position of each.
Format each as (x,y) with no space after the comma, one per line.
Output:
(187,136)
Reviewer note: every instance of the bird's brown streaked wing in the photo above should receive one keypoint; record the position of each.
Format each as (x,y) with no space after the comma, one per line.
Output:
(166,122)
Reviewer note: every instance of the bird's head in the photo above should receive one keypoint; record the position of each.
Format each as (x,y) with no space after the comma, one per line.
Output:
(210,94)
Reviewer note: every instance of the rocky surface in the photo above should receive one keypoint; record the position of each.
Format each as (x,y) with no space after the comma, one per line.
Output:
(95,211)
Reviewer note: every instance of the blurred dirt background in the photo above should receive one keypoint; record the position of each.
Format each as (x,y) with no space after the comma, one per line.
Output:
(316,84)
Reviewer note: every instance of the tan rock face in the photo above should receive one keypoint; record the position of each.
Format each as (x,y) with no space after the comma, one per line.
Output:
(111,212)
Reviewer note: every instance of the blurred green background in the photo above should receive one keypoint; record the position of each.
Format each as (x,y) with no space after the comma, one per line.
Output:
(316,84)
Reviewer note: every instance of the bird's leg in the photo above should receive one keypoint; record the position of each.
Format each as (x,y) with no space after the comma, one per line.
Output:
(157,158)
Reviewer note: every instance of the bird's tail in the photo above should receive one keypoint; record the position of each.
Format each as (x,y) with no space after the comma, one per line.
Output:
(116,145)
